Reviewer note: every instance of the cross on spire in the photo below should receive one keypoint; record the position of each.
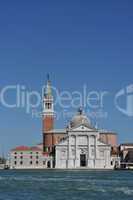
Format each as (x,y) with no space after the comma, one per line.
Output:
(80,111)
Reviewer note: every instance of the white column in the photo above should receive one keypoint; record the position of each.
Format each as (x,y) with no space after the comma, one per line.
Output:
(69,151)
(76,151)
(97,150)
(75,147)
(95,147)
(88,142)
(69,147)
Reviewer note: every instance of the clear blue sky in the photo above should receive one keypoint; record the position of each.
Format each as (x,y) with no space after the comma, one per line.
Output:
(78,42)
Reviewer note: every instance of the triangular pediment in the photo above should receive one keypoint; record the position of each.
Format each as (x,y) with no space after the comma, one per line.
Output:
(83,128)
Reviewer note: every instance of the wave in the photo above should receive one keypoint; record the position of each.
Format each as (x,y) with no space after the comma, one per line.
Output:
(124,190)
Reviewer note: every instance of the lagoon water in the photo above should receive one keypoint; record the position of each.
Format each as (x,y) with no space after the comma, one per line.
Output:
(66,185)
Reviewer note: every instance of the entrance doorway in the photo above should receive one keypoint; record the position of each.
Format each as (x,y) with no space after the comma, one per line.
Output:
(48,164)
(83,162)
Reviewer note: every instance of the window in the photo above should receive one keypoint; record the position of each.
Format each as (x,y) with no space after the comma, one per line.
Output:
(15,162)
(21,153)
(21,157)
(15,157)
(37,162)
(46,149)
(31,157)
(30,162)
(37,157)
(21,163)
(49,148)
(44,162)
(15,153)
(30,152)
(36,152)
(111,162)
(48,105)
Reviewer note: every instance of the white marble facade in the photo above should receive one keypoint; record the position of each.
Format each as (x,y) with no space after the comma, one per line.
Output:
(82,147)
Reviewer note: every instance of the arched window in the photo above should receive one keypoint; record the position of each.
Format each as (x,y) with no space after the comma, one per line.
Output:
(48,105)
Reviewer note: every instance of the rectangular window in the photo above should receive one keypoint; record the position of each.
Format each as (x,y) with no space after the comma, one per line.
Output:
(37,162)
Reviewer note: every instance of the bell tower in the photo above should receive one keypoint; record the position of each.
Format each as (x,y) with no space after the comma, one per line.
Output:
(48,117)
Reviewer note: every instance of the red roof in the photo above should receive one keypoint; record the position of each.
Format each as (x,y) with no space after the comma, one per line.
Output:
(35,149)
(26,148)
(21,148)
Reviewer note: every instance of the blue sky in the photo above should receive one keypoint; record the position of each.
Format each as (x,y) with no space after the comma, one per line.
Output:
(77,42)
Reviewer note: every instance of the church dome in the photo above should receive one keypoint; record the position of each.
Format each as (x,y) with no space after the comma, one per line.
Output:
(80,119)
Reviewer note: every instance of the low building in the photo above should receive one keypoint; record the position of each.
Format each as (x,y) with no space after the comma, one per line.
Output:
(24,157)
(2,163)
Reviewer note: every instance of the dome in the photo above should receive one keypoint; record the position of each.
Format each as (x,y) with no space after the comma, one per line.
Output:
(80,119)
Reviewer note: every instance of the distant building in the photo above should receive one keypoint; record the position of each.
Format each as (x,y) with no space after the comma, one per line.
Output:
(79,145)
(76,146)
(24,157)
(2,163)
(126,155)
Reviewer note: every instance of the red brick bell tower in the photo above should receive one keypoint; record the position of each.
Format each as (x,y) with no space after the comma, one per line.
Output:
(48,117)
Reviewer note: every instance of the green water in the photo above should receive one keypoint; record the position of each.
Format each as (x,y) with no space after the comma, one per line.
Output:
(66,185)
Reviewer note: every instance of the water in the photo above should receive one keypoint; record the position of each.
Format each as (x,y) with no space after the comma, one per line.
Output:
(66,185)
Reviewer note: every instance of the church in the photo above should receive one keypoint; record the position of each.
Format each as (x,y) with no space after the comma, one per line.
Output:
(79,145)
(82,146)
